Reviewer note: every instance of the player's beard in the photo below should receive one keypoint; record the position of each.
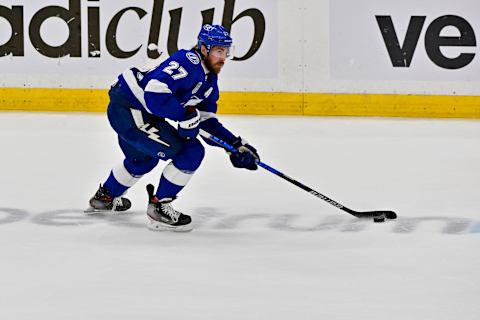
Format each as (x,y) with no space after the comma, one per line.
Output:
(214,67)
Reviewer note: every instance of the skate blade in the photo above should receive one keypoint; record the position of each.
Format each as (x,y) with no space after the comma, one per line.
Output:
(158,226)
(91,210)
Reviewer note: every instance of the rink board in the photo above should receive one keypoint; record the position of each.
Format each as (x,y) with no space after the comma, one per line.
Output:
(261,103)
(324,57)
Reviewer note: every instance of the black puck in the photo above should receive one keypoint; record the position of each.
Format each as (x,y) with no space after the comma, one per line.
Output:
(391,215)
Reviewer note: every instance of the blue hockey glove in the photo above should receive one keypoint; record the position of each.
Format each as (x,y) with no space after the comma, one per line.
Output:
(246,157)
(188,127)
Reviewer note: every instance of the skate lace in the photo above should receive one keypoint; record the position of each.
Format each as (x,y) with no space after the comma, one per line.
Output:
(172,213)
(116,202)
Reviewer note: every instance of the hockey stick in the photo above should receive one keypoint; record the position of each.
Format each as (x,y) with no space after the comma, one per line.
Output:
(378,216)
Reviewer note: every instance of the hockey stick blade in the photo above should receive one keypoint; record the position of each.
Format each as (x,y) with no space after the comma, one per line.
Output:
(374,214)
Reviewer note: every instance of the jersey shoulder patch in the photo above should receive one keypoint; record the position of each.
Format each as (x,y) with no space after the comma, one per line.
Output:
(193,57)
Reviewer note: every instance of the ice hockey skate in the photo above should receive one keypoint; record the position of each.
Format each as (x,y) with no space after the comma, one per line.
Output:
(162,217)
(103,202)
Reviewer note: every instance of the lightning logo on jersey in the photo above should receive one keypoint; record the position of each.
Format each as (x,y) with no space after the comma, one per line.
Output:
(152,133)
(144,127)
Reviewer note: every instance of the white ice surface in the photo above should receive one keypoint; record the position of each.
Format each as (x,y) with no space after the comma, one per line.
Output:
(261,248)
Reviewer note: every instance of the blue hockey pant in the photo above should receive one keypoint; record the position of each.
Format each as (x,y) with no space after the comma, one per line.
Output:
(144,140)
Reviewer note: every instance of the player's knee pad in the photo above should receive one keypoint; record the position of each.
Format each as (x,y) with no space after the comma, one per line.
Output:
(190,156)
(129,172)
(140,166)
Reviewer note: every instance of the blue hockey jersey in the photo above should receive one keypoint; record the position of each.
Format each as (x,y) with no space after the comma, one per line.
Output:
(179,82)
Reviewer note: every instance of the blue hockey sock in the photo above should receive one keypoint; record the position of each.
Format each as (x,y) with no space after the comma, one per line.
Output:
(114,188)
(126,174)
(166,189)
(173,180)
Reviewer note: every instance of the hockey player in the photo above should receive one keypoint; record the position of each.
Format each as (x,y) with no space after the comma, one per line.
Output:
(143,105)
